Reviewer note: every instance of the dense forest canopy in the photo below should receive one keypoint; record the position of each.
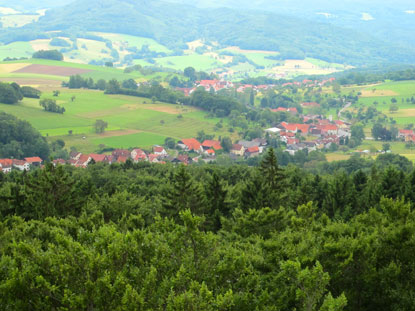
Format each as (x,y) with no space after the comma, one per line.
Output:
(160,237)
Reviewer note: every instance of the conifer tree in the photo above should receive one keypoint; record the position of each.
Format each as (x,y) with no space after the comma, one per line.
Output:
(253,195)
(410,188)
(393,183)
(183,193)
(52,192)
(216,194)
(270,170)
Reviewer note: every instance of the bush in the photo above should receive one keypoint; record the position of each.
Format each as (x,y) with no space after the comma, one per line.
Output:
(30,92)
(51,106)
(59,42)
(9,94)
(49,54)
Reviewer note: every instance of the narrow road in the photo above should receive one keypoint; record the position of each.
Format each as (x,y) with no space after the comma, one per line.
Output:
(343,109)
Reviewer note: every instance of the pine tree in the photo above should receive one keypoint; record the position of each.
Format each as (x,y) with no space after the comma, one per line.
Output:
(52,192)
(183,193)
(253,195)
(270,170)
(216,194)
(393,183)
(410,188)
(319,190)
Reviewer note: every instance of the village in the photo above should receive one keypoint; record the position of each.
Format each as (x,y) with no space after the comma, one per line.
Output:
(314,132)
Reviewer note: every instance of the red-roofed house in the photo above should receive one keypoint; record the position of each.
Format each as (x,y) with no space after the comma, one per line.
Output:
(35,161)
(405,133)
(83,161)
(252,152)
(329,129)
(153,158)
(121,153)
(238,150)
(190,144)
(304,128)
(293,141)
(289,127)
(122,159)
(160,151)
(6,165)
(210,152)
(214,144)
(340,124)
(280,109)
(21,165)
(183,158)
(138,155)
(98,157)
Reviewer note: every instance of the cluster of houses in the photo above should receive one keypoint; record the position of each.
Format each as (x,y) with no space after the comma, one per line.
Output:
(78,159)
(211,147)
(217,85)
(323,132)
(310,83)
(205,151)
(7,165)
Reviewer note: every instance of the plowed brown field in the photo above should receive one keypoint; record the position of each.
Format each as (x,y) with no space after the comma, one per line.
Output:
(52,70)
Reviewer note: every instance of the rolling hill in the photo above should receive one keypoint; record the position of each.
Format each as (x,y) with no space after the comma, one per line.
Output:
(132,121)
(173,25)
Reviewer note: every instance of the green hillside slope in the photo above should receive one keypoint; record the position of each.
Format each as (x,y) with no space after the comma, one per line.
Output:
(173,25)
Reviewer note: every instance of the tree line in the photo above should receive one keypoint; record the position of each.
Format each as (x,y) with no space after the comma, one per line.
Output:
(220,106)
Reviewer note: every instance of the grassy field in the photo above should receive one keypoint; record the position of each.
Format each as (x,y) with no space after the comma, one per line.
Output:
(380,96)
(199,62)
(385,92)
(131,41)
(132,121)
(18,20)
(16,49)
(324,64)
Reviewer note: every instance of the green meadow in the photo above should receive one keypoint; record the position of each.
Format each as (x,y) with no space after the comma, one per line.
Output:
(199,62)
(383,94)
(138,42)
(16,49)
(144,140)
(132,121)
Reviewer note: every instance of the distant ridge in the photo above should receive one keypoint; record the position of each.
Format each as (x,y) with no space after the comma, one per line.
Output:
(174,24)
